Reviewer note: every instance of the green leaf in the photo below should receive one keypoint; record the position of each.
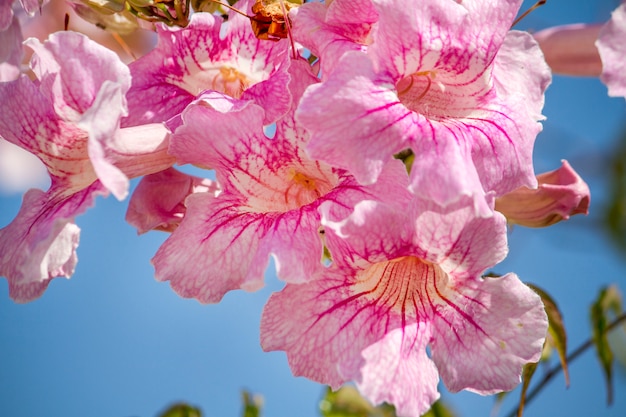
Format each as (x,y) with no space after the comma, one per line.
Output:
(439,409)
(527,374)
(556,329)
(615,213)
(609,302)
(251,404)
(347,402)
(182,410)
(407,157)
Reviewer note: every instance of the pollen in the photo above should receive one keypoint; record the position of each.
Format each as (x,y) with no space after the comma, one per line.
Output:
(303,180)
(230,81)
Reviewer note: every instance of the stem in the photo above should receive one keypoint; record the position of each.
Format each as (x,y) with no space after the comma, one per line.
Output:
(570,358)
(527,12)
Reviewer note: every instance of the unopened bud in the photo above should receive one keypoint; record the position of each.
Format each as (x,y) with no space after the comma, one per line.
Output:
(122,23)
(104,6)
(561,193)
(571,49)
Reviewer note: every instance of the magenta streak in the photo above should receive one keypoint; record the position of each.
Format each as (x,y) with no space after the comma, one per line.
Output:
(458,310)
(494,124)
(393,122)
(380,108)
(455,247)
(437,313)
(48,206)
(228,219)
(491,142)
(471,299)
(348,300)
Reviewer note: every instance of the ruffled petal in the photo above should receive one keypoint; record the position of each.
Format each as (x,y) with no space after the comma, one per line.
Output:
(215,249)
(571,49)
(72,69)
(158,202)
(612,50)
(40,243)
(355,123)
(491,330)
(190,60)
(10,51)
(446,36)
(6,14)
(393,367)
(331,31)
(322,326)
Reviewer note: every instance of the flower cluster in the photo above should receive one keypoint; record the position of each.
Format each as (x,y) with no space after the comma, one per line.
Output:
(376,149)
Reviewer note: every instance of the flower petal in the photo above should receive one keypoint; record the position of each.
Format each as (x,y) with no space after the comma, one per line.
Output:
(215,249)
(40,243)
(612,49)
(10,51)
(158,202)
(507,330)
(392,368)
(72,68)
(571,49)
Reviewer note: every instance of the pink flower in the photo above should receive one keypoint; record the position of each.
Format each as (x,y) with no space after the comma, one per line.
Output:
(399,283)
(432,80)
(589,50)
(561,193)
(612,49)
(268,205)
(570,49)
(10,51)
(6,10)
(158,202)
(69,119)
(331,31)
(188,61)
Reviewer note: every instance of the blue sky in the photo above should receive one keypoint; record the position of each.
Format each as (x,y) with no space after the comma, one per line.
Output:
(114,342)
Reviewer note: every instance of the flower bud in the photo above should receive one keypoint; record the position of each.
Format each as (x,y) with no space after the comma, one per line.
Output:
(571,49)
(123,22)
(104,6)
(560,194)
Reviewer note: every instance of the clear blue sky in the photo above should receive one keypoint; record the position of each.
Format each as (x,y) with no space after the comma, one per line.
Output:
(113,342)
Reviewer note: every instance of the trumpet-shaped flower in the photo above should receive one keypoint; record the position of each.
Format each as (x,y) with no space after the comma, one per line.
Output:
(612,50)
(10,51)
(329,31)
(589,50)
(435,79)
(561,193)
(400,283)
(188,61)
(268,204)
(70,121)
(158,202)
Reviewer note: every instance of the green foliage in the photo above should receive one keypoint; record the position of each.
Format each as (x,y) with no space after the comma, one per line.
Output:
(557,336)
(439,409)
(527,374)
(182,410)
(615,215)
(251,404)
(608,303)
(407,157)
(347,402)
